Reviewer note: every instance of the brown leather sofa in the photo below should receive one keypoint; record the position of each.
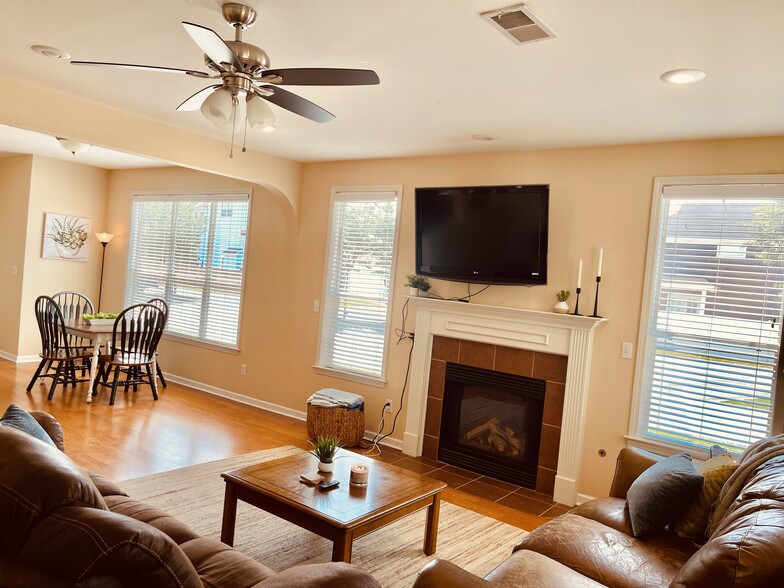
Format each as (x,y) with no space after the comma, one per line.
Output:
(593,545)
(63,526)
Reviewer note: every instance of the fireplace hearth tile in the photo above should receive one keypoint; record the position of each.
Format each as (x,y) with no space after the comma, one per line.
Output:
(445,349)
(482,490)
(461,472)
(545,481)
(525,503)
(475,354)
(430,447)
(508,486)
(435,386)
(548,447)
(433,417)
(452,480)
(550,367)
(553,404)
(514,361)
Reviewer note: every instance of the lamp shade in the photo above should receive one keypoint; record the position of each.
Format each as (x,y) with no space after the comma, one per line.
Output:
(104,237)
(217,107)
(259,112)
(73,146)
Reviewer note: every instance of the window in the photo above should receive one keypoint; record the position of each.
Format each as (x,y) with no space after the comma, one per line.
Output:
(189,250)
(710,341)
(359,268)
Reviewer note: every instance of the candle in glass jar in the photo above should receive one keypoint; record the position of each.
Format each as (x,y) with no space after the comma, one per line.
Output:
(359,474)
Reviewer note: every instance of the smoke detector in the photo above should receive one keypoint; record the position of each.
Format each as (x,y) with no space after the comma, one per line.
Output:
(519,24)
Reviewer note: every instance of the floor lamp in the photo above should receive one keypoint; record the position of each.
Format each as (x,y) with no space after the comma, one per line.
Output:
(104,238)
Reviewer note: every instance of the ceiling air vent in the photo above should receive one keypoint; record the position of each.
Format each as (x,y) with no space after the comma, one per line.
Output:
(519,24)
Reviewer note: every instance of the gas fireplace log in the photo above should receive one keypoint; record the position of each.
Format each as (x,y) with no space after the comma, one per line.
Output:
(508,437)
(497,442)
(481,429)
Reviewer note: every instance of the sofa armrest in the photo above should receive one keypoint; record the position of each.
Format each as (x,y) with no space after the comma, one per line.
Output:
(630,464)
(328,575)
(444,574)
(51,426)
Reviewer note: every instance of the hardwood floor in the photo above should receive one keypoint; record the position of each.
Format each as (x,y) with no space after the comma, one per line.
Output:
(138,436)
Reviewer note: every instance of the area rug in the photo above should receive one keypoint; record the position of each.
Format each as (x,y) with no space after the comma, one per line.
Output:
(392,554)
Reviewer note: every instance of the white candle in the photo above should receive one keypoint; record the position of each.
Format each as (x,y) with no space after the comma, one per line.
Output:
(599,268)
(580,273)
(359,474)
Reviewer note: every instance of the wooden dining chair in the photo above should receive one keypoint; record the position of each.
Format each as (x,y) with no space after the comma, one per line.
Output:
(160,303)
(135,336)
(73,305)
(55,349)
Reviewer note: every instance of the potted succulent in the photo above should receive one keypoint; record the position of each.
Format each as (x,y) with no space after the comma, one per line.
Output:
(325,449)
(417,284)
(561,306)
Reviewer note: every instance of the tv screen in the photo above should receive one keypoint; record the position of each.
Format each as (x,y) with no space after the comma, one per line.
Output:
(483,234)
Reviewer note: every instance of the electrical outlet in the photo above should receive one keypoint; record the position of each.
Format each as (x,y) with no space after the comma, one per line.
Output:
(242,369)
(626,350)
(316,305)
(388,405)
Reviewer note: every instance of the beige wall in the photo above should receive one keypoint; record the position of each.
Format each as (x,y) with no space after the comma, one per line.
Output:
(15,175)
(60,187)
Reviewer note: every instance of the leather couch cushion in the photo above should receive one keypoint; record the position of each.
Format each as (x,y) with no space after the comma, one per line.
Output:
(604,554)
(745,551)
(177,530)
(22,420)
(221,566)
(608,511)
(94,543)
(662,493)
(529,568)
(39,479)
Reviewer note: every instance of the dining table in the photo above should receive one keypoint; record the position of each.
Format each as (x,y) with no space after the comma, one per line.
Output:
(99,335)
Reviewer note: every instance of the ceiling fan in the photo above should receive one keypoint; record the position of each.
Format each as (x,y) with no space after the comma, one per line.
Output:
(243,69)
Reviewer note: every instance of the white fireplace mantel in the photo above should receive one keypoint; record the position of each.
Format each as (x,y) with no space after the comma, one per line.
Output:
(548,332)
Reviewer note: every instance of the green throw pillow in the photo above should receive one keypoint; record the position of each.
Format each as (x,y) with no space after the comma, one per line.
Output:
(694,521)
(22,420)
(661,493)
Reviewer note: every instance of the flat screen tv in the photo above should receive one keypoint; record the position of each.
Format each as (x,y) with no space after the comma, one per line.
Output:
(483,234)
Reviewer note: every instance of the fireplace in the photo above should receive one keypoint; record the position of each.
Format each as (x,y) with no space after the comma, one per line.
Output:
(492,423)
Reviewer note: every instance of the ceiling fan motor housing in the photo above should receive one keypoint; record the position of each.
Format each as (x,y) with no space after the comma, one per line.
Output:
(253,59)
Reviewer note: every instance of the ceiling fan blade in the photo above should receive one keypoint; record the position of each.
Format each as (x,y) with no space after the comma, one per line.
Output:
(297,104)
(190,72)
(212,44)
(324,76)
(195,101)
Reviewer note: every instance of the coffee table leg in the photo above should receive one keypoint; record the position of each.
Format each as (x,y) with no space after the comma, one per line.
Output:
(341,548)
(431,528)
(229,515)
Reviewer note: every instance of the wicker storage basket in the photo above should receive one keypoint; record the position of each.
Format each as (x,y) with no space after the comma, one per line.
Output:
(347,424)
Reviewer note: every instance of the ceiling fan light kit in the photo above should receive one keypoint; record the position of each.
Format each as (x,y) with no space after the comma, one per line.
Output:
(243,70)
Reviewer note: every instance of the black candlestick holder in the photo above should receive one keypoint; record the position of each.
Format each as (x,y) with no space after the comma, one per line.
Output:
(577,303)
(596,300)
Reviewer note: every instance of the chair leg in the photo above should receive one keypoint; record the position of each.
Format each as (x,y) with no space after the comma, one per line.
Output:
(151,376)
(99,377)
(37,373)
(55,379)
(160,374)
(114,384)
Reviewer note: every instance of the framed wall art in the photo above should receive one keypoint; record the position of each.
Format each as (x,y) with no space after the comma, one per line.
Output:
(65,237)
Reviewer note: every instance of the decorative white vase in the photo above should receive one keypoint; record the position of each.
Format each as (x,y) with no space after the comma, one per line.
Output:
(413,291)
(326,467)
(561,307)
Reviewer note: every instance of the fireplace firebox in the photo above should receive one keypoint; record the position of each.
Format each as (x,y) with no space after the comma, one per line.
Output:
(492,423)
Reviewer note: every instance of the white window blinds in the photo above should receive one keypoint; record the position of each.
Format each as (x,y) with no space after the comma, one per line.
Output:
(189,250)
(714,329)
(360,257)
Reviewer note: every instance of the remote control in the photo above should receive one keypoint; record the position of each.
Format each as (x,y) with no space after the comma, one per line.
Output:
(329,485)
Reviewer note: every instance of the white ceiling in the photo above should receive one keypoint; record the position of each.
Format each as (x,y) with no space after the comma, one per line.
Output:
(445,73)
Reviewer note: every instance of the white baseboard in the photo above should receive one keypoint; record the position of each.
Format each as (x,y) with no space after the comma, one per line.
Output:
(264,405)
(583,498)
(19,358)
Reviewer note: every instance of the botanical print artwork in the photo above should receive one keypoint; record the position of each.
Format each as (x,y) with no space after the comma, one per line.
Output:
(65,237)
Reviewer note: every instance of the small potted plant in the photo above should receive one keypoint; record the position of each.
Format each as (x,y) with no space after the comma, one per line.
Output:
(325,449)
(417,284)
(561,306)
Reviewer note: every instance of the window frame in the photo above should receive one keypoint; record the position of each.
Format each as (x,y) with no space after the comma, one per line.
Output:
(754,185)
(201,196)
(355,193)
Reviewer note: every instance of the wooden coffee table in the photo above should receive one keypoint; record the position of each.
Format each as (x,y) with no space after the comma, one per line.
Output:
(341,514)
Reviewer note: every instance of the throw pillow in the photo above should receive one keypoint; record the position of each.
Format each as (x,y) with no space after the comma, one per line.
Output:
(661,493)
(694,521)
(21,419)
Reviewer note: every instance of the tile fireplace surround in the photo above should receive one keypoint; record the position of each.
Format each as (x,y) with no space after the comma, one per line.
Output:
(545,333)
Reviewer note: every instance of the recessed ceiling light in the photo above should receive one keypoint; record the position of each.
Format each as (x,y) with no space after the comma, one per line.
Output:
(483,138)
(52,52)
(682,76)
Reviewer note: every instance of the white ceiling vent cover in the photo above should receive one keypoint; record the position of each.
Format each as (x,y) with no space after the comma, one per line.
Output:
(519,24)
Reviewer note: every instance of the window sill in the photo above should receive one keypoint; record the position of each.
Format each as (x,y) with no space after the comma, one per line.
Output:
(369,380)
(197,343)
(663,448)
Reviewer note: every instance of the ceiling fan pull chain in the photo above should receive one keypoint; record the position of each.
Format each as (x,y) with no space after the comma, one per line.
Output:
(245,132)
(233,123)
